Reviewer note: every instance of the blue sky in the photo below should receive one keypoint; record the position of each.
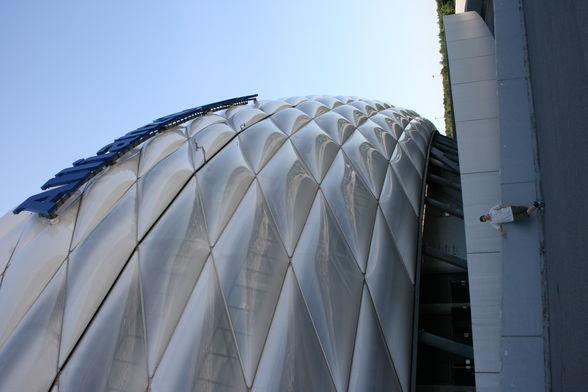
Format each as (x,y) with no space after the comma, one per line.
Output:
(76,75)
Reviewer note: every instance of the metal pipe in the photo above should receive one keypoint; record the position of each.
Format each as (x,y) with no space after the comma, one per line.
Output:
(446,207)
(444,181)
(451,259)
(446,345)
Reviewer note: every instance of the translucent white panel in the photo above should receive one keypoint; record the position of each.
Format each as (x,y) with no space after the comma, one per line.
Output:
(30,355)
(251,262)
(330,102)
(394,116)
(353,204)
(344,98)
(312,108)
(331,285)
(315,148)
(420,138)
(94,266)
(11,227)
(203,122)
(273,106)
(401,219)
(336,126)
(159,187)
(290,120)
(197,153)
(353,115)
(378,137)
(10,221)
(415,156)
(202,355)
(292,358)
(111,355)
(102,194)
(365,106)
(230,112)
(379,105)
(171,257)
(295,100)
(246,118)
(260,142)
(372,369)
(213,138)
(408,176)
(41,250)
(393,295)
(388,124)
(366,159)
(289,190)
(223,183)
(158,148)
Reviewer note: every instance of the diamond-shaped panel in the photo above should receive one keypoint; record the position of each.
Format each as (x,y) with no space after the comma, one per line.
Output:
(246,275)
(331,285)
(202,355)
(251,263)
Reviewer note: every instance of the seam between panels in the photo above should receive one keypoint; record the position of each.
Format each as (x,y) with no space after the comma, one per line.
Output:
(271,214)
(299,292)
(375,215)
(75,225)
(101,304)
(382,334)
(229,320)
(266,334)
(14,250)
(416,296)
(351,362)
(10,257)
(142,299)
(356,265)
(209,255)
(394,244)
(156,367)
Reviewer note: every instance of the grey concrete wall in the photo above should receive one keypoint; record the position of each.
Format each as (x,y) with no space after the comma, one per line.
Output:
(470,48)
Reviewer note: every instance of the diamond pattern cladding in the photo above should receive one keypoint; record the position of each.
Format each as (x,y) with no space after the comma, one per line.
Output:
(264,247)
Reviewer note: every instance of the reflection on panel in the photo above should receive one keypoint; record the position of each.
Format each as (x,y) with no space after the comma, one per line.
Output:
(30,355)
(392,292)
(331,285)
(353,205)
(94,266)
(372,368)
(292,358)
(251,262)
(42,249)
(264,247)
(202,355)
(171,258)
(111,355)
(289,190)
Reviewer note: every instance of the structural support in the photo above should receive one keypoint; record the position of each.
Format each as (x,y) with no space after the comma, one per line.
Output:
(442,309)
(437,254)
(446,207)
(445,344)
(444,181)
(441,165)
(438,154)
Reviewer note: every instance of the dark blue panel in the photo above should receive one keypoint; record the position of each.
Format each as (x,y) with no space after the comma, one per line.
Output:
(46,203)
(82,170)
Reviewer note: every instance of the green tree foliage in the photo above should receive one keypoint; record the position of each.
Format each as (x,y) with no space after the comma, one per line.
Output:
(445,7)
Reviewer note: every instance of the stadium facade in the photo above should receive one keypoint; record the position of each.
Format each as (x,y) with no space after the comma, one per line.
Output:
(265,246)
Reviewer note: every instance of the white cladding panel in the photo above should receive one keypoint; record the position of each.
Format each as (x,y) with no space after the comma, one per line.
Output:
(247,249)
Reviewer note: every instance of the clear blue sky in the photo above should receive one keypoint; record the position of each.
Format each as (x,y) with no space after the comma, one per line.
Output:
(75,75)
